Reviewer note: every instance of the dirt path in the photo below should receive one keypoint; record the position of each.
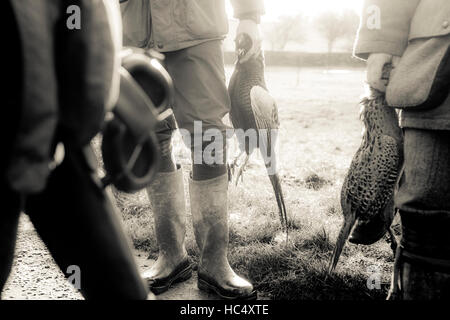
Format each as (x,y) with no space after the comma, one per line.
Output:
(35,275)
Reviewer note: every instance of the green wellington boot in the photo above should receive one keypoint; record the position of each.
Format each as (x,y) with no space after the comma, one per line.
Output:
(422,263)
(209,208)
(166,195)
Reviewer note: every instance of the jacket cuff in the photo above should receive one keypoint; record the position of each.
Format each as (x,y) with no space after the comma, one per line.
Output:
(363,49)
(255,16)
(243,7)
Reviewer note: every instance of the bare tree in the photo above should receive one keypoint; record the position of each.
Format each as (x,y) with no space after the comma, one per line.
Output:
(285,30)
(334,25)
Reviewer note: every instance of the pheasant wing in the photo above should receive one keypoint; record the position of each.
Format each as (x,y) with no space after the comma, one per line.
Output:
(265,108)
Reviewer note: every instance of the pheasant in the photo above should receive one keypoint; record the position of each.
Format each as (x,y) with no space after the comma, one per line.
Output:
(368,188)
(252,107)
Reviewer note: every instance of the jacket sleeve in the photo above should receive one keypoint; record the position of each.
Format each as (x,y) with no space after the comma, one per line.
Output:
(244,8)
(384,27)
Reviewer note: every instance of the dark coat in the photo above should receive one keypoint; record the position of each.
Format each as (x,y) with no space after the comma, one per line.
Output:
(66,83)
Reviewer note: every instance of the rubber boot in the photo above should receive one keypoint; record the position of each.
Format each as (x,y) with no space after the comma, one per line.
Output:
(422,264)
(166,194)
(209,201)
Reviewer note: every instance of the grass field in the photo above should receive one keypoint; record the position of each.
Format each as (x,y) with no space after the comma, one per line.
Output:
(320,132)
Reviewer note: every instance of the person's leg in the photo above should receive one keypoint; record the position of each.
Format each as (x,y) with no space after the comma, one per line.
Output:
(424,203)
(9,218)
(11,106)
(201,95)
(166,195)
(80,226)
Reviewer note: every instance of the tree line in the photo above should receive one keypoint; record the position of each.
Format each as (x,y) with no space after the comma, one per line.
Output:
(332,25)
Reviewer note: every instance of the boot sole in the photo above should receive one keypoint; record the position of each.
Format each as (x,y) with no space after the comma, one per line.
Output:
(207,287)
(180,277)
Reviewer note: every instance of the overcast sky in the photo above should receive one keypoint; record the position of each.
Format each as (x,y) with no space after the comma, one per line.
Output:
(276,8)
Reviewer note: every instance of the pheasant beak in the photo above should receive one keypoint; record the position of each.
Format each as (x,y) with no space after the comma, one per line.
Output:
(243,45)
(241,53)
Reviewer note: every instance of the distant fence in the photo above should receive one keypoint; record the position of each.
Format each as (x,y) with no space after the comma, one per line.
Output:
(304,59)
